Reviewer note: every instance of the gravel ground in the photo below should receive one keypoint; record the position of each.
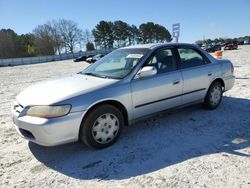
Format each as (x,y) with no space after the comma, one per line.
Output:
(191,147)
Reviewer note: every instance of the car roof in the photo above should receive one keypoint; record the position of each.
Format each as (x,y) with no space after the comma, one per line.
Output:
(158,45)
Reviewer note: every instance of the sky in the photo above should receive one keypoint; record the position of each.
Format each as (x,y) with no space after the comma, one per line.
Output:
(198,18)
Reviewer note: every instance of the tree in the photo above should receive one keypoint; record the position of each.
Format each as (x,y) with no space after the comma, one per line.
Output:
(199,42)
(44,41)
(134,35)
(103,33)
(13,45)
(56,35)
(87,36)
(161,34)
(121,33)
(31,50)
(90,46)
(70,34)
(88,40)
(208,41)
(147,32)
(8,39)
(151,32)
(25,44)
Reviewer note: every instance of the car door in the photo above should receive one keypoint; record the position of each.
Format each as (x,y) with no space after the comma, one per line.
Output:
(197,73)
(161,91)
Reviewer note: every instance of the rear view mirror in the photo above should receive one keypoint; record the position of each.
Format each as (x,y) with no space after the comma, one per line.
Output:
(146,72)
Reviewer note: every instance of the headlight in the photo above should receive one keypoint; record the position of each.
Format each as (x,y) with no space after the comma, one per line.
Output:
(49,111)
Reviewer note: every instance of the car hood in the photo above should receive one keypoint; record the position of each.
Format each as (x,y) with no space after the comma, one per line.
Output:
(53,91)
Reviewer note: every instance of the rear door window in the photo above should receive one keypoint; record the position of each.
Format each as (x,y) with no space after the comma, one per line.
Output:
(190,58)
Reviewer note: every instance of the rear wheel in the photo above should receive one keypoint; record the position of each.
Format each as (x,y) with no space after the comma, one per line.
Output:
(102,126)
(214,96)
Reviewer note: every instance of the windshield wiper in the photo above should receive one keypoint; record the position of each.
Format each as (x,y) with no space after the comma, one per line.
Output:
(96,75)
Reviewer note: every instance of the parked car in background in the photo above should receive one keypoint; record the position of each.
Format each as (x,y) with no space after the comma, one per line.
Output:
(213,48)
(94,58)
(246,41)
(231,46)
(240,42)
(81,58)
(124,86)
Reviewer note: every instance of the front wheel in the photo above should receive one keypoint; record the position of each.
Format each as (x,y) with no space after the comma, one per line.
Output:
(214,96)
(102,126)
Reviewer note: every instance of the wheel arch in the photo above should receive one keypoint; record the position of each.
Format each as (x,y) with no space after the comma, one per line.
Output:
(112,102)
(221,81)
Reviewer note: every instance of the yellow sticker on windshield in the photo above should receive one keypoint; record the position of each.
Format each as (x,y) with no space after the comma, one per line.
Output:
(136,56)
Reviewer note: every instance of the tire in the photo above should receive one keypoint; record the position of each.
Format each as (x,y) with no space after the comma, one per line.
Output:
(214,96)
(102,126)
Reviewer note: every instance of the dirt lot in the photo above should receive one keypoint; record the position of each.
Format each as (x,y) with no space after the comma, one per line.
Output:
(188,148)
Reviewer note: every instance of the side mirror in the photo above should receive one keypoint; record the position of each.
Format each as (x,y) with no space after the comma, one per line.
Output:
(146,71)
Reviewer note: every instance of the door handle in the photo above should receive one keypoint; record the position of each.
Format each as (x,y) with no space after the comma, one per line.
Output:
(176,82)
(209,74)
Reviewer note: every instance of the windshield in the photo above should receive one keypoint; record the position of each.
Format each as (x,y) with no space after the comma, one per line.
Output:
(117,64)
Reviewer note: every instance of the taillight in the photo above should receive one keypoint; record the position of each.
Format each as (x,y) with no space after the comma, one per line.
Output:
(232,68)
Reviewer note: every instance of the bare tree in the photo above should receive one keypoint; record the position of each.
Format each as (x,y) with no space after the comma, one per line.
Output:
(55,34)
(70,33)
(87,36)
(44,42)
(88,39)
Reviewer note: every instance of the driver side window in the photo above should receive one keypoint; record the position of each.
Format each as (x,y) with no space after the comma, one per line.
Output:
(163,61)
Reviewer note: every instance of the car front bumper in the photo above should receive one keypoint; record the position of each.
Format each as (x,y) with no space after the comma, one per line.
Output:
(49,132)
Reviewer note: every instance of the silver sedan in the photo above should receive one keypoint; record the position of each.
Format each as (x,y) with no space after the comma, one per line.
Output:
(126,85)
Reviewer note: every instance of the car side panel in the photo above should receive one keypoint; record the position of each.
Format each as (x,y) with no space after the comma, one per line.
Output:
(226,73)
(156,93)
(196,81)
(118,92)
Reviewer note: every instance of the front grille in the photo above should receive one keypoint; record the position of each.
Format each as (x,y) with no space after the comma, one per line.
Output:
(18,108)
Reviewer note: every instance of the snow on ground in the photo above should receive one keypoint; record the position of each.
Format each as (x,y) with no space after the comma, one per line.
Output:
(191,147)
